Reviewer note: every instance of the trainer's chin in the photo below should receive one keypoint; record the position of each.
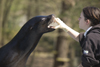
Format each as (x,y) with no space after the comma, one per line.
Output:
(81,27)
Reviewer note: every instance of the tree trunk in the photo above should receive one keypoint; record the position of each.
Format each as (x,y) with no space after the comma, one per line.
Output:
(29,9)
(7,5)
(1,3)
(61,59)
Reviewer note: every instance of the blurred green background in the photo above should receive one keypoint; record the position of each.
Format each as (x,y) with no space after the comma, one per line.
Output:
(55,49)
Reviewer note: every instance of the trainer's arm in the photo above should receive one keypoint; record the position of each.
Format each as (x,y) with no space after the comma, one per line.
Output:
(74,34)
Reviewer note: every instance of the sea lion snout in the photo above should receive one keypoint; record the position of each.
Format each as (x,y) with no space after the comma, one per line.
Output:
(52,22)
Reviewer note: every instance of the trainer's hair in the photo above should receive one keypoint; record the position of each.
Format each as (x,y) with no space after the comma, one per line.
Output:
(93,14)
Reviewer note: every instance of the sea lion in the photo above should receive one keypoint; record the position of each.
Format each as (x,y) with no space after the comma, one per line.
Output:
(17,51)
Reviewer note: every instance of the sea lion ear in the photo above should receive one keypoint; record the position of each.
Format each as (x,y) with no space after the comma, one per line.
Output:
(31,28)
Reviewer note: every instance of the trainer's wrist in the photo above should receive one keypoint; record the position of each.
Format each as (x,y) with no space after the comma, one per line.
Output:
(65,29)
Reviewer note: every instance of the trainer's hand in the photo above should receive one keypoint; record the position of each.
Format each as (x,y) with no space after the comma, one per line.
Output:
(61,24)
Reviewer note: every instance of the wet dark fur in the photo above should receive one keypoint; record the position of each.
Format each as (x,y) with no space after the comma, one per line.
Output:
(17,51)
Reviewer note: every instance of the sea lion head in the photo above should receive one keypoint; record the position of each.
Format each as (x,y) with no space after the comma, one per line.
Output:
(40,23)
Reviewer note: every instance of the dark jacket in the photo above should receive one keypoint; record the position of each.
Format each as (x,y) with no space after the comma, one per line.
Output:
(91,47)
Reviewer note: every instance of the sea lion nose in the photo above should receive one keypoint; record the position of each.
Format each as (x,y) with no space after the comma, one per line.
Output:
(51,16)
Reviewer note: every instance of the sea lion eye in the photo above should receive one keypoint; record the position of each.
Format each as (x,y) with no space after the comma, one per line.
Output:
(42,19)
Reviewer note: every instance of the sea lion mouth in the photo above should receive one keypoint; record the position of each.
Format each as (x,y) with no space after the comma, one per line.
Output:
(52,22)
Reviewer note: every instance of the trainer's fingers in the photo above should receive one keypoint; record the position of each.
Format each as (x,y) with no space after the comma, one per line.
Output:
(58,21)
(56,27)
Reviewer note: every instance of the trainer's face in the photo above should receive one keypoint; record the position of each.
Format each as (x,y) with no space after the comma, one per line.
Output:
(82,22)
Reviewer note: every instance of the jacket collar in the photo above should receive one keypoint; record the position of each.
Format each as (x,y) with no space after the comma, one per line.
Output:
(95,29)
(87,31)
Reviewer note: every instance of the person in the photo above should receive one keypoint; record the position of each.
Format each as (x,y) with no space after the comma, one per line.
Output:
(89,21)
